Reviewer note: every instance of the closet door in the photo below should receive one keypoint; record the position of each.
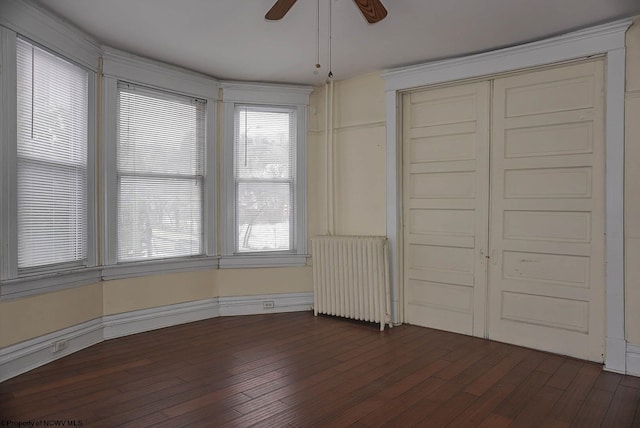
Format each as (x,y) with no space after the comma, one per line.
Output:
(546,270)
(445,168)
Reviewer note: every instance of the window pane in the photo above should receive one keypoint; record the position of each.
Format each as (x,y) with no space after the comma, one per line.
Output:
(52,110)
(159,218)
(264,167)
(159,133)
(49,224)
(263,216)
(263,143)
(160,157)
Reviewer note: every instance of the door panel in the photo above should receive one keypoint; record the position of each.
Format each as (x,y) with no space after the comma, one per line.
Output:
(446,166)
(546,272)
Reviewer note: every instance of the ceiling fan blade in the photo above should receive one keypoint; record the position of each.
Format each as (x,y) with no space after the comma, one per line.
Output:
(373,10)
(279,10)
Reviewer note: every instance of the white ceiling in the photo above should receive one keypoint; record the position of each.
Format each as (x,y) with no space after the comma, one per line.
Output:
(230,39)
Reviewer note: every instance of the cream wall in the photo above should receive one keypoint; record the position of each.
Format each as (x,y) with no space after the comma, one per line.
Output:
(359,147)
(249,282)
(23,319)
(131,294)
(632,186)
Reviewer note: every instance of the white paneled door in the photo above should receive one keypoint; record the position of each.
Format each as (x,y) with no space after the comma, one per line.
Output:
(504,211)
(446,155)
(547,211)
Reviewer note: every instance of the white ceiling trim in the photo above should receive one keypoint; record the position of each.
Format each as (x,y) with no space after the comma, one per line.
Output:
(30,21)
(578,44)
(266,93)
(135,69)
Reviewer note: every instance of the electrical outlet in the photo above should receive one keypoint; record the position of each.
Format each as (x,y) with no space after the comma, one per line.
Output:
(269,304)
(60,345)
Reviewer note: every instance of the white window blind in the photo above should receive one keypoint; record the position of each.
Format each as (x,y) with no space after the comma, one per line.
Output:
(52,113)
(264,171)
(160,164)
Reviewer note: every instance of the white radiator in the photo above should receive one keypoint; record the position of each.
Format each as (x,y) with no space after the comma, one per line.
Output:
(351,277)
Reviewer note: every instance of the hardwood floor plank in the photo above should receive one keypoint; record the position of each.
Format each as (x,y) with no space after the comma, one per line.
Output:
(479,410)
(536,410)
(565,374)
(623,407)
(496,372)
(567,407)
(448,411)
(593,410)
(297,370)
(495,421)
(608,381)
(389,409)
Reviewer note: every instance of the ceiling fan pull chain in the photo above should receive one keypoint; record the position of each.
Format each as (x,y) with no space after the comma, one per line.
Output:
(330,75)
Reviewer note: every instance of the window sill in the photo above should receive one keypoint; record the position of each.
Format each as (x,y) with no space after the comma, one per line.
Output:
(263,261)
(156,267)
(49,282)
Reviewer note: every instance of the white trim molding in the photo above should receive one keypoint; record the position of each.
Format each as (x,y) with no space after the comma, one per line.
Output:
(132,68)
(607,39)
(262,261)
(265,304)
(44,28)
(633,360)
(24,356)
(133,322)
(30,354)
(48,282)
(157,267)
(264,93)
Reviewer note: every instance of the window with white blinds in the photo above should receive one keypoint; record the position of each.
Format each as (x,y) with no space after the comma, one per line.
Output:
(52,129)
(264,172)
(160,173)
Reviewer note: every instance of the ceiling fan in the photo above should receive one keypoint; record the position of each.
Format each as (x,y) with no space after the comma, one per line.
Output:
(373,10)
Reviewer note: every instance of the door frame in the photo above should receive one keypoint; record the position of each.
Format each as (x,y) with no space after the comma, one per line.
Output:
(607,39)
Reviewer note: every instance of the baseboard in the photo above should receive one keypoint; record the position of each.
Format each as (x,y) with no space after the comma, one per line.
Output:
(24,356)
(30,354)
(615,349)
(127,323)
(633,360)
(265,304)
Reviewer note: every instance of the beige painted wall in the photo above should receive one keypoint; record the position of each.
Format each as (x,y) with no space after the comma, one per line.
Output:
(632,186)
(23,319)
(145,292)
(248,282)
(359,134)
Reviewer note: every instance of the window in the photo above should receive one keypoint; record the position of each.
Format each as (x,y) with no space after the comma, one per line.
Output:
(47,154)
(160,173)
(264,175)
(264,171)
(52,140)
(159,162)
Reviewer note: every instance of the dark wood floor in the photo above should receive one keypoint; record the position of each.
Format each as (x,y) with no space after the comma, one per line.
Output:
(298,370)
